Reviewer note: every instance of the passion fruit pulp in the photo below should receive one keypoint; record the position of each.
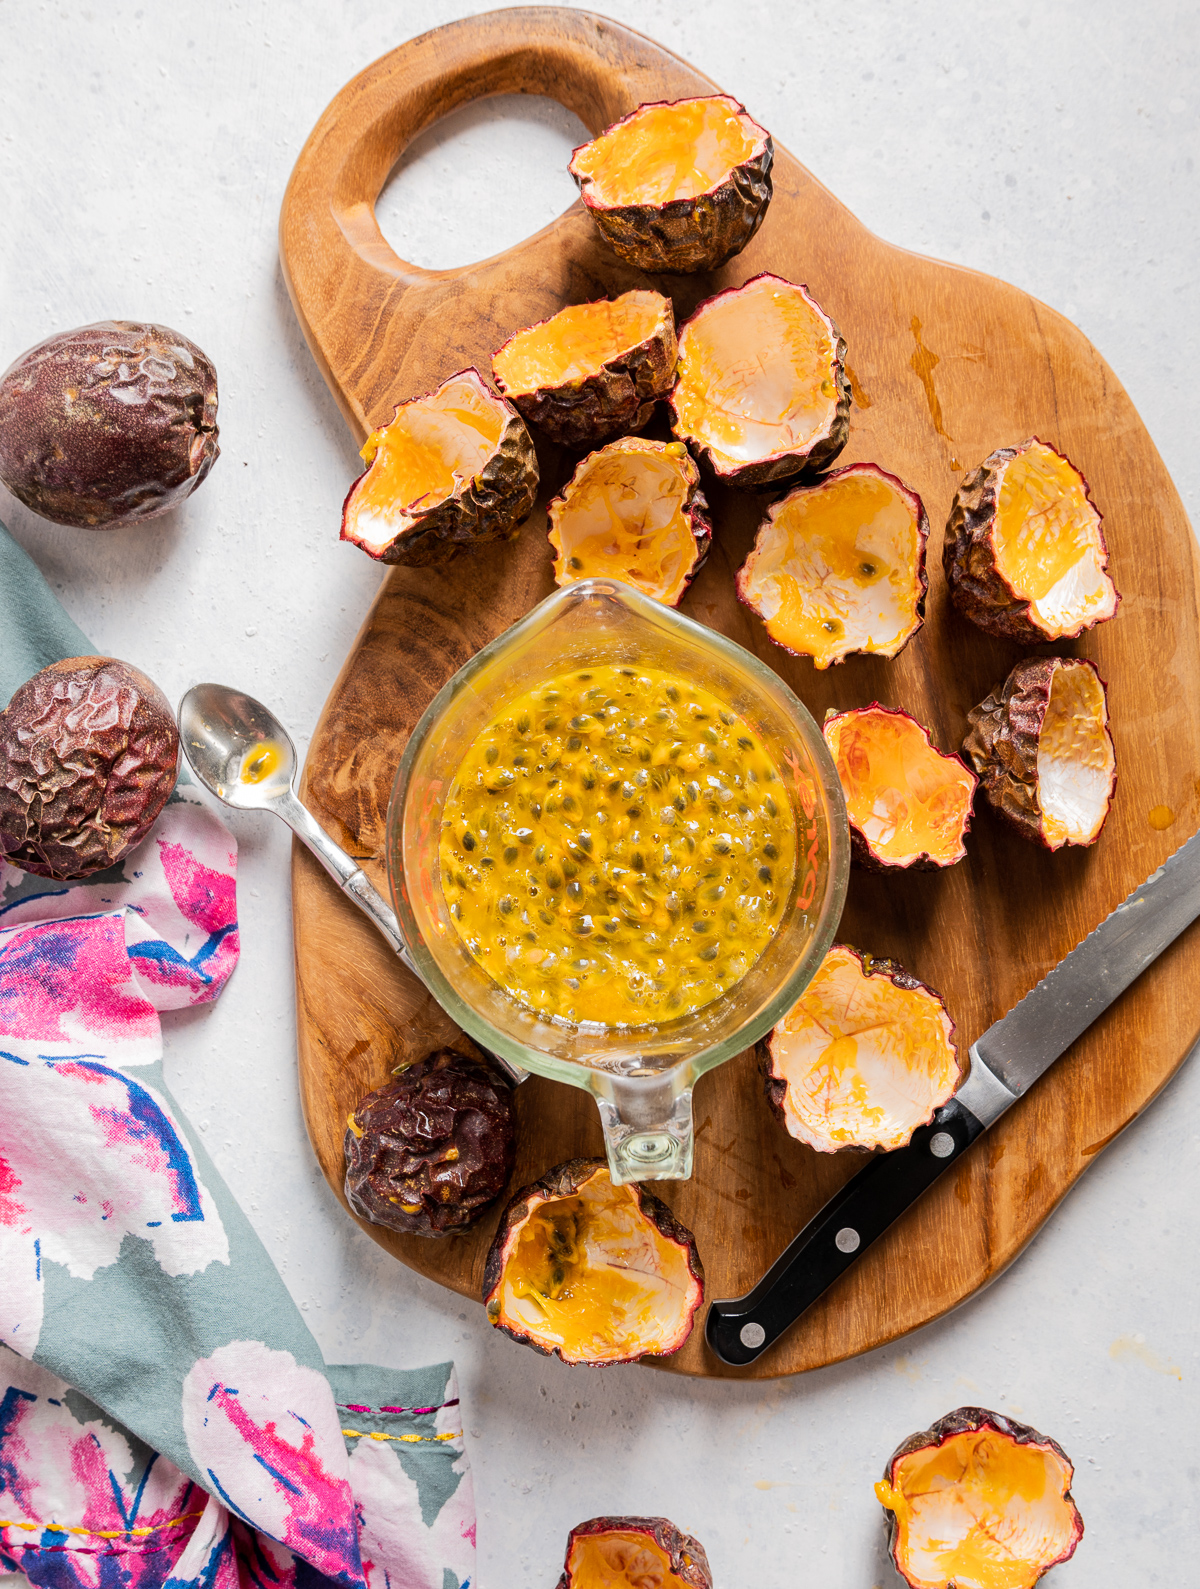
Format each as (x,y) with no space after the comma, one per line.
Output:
(1041,746)
(591,1272)
(429,1152)
(839,566)
(864,1057)
(89,754)
(908,803)
(677,186)
(633,511)
(450,470)
(593,370)
(979,1501)
(1024,553)
(761,392)
(634,1553)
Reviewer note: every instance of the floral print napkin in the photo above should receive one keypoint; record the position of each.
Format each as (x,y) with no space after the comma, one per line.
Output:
(166,1418)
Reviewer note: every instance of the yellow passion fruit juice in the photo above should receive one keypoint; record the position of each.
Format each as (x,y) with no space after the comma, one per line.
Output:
(617,847)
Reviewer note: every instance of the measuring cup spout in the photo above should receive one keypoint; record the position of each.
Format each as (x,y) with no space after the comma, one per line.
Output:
(647,1124)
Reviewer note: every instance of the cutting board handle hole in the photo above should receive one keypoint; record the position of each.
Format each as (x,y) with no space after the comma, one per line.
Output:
(496,166)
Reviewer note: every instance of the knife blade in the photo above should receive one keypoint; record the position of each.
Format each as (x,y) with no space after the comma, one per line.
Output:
(1005,1062)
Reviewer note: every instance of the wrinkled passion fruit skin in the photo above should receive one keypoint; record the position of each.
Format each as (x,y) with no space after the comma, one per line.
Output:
(488,506)
(966,1420)
(565,1180)
(89,754)
(976,586)
(430,1151)
(617,400)
(1002,745)
(108,424)
(684,236)
(684,1551)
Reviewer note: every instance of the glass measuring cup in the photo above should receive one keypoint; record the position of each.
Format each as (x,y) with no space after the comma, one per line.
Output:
(642,1077)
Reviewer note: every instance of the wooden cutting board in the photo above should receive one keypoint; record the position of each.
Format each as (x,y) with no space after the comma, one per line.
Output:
(946,365)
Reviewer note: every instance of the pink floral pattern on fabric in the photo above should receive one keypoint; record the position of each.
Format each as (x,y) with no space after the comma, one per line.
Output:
(103,1185)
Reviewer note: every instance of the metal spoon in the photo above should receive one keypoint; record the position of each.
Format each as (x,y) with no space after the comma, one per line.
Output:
(242,753)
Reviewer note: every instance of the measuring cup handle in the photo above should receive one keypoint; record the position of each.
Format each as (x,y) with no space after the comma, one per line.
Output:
(361,306)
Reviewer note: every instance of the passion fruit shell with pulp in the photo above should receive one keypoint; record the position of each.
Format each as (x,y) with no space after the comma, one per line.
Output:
(1041,746)
(979,1501)
(89,755)
(839,566)
(591,1272)
(908,803)
(633,511)
(109,424)
(634,1553)
(1024,553)
(593,370)
(761,393)
(430,1151)
(864,1057)
(679,185)
(450,471)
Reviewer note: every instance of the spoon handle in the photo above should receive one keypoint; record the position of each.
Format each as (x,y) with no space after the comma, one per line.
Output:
(345,871)
(354,882)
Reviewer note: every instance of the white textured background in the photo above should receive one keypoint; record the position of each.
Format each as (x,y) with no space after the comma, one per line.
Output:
(144,151)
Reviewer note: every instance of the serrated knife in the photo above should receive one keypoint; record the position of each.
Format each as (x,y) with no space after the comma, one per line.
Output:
(1005,1063)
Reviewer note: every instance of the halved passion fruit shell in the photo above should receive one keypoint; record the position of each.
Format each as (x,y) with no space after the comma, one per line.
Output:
(633,511)
(909,804)
(979,1502)
(839,566)
(591,1272)
(761,392)
(677,186)
(1041,746)
(1024,553)
(864,1058)
(634,1553)
(451,470)
(593,370)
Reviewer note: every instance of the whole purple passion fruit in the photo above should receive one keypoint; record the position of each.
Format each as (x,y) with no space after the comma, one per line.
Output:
(89,754)
(108,424)
(429,1152)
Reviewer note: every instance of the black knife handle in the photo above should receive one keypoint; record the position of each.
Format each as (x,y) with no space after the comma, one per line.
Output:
(741,1329)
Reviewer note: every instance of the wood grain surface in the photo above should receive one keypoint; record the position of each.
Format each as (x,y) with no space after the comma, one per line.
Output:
(947,365)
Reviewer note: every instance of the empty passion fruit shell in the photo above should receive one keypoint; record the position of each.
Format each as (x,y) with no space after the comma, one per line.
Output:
(761,392)
(839,566)
(1024,553)
(1041,746)
(864,1057)
(909,804)
(633,511)
(593,370)
(89,754)
(677,186)
(450,470)
(979,1501)
(590,1272)
(634,1553)
(430,1151)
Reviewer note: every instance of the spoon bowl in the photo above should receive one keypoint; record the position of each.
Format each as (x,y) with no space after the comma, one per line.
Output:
(238,749)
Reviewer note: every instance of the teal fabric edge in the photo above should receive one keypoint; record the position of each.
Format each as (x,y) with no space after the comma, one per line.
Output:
(34,629)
